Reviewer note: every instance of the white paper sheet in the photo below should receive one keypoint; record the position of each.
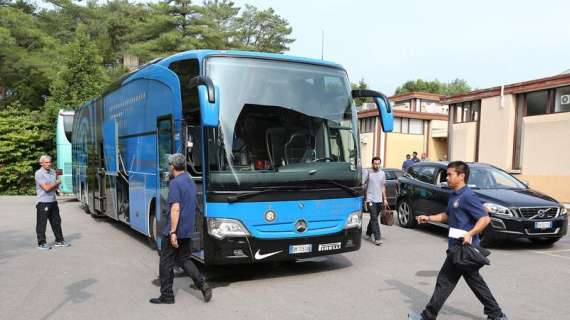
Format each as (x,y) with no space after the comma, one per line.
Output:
(456,233)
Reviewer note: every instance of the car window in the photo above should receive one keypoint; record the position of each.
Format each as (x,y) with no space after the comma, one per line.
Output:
(441,177)
(427,174)
(414,171)
(392,174)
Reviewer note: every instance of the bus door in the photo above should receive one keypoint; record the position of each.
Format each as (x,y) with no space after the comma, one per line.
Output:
(99,196)
(165,144)
(193,152)
(110,152)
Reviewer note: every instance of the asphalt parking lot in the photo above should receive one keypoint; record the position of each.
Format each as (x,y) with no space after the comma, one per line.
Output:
(109,272)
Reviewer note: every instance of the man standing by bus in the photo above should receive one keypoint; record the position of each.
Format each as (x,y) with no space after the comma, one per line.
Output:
(46,205)
(374,182)
(177,233)
(466,218)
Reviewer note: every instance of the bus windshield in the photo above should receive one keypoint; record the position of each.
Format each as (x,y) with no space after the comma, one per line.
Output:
(281,123)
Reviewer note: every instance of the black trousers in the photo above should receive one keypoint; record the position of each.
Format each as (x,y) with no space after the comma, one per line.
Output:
(448,277)
(373,225)
(48,211)
(171,257)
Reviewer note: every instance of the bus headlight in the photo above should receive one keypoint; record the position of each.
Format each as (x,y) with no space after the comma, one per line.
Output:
(221,228)
(354,220)
(497,209)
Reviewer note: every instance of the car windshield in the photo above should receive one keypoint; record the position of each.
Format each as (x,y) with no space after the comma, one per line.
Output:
(281,123)
(492,178)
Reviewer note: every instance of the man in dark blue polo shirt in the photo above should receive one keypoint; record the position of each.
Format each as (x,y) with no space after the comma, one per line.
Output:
(177,234)
(466,218)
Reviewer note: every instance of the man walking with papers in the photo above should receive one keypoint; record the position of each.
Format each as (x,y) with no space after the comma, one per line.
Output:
(466,218)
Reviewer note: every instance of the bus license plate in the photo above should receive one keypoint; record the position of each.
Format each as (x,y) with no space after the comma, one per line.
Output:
(302,248)
(543,225)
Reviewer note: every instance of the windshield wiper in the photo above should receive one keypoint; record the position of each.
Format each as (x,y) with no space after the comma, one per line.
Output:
(342,186)
(245,195)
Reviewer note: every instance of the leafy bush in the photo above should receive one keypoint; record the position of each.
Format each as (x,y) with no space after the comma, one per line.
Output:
(24,137)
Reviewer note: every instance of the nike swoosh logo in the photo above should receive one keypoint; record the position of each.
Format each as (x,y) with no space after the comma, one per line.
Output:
(259,256)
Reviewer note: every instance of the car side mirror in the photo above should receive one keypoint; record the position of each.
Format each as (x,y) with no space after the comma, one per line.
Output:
(383,105)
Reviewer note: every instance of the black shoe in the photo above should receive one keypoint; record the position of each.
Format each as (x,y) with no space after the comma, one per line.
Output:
(206,292)
(161,300)
(502,317)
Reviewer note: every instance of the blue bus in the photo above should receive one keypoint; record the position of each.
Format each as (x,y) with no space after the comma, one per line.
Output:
(64,127)
(270,139)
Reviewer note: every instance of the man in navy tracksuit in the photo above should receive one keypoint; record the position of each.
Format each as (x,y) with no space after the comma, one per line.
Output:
(177,233)
(467,218)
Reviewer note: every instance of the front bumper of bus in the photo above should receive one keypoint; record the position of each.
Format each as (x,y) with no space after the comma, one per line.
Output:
(236,250)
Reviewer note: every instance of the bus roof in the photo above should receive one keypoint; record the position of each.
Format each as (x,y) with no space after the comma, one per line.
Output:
(204,53)
(201,54)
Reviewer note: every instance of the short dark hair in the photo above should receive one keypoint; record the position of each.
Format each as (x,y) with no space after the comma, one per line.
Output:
(408,155)
(376,158)
(460,167)
(415,153)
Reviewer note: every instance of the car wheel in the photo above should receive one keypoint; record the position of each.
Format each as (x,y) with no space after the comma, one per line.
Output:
(406,217)
(544,241)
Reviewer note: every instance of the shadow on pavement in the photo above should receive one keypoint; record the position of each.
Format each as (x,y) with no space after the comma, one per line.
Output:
(417,300)
(223,276)
(74,293)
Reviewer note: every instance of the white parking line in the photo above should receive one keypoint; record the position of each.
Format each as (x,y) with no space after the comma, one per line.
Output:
(553,255)
(551,251)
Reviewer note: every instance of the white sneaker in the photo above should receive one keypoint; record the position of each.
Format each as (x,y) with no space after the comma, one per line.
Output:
(61,244)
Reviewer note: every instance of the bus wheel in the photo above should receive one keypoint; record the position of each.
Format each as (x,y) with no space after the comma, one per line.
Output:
(84,203)
(153,232)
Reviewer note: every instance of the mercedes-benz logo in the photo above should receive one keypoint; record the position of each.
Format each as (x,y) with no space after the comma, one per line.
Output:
(301,226)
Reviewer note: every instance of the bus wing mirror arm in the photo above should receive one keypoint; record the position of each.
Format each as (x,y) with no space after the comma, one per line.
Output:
(383,105)
(205,80)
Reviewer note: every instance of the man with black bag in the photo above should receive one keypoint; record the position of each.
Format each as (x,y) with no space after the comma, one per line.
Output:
(466,218)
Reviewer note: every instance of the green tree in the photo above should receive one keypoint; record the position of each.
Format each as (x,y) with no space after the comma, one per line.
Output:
(81,78)
(457,86)
(454,87)
(27,57)
(362,85)
(263,30)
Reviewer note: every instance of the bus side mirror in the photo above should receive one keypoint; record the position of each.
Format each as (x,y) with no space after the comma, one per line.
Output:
(383,105)
(209,98)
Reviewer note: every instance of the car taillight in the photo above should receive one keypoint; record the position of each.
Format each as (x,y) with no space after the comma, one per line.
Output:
(58,172)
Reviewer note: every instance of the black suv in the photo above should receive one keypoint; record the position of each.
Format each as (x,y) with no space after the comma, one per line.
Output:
(515,210)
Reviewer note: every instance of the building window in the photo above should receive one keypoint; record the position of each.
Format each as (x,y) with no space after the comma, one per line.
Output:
(562,103)
(405,125)
(416,126)
(536,103)
(468,111)
(546,101)
(367,124)
(402,105)
(409,126)
(397,124)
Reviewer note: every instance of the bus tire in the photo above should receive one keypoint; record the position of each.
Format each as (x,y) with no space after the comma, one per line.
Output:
(84,203)
(153,228)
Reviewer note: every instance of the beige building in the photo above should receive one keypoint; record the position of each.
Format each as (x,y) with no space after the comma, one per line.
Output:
(523,128)
(420,124)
